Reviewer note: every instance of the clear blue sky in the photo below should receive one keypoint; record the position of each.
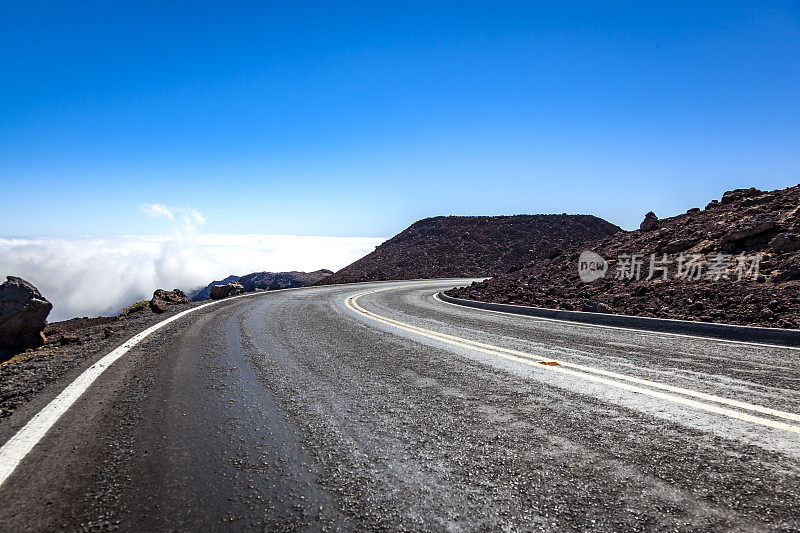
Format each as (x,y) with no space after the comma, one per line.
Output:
(344,118)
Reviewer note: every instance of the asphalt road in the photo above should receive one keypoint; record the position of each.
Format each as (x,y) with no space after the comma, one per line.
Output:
(311,409)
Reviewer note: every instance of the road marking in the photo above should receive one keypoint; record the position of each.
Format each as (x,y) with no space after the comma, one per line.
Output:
(18,446)
(675,394)
(646,332)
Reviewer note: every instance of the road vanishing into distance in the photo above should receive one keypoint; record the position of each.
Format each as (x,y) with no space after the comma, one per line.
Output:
(378,406)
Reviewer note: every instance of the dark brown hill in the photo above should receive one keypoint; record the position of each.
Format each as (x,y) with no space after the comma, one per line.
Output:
(724,239)
(455,246)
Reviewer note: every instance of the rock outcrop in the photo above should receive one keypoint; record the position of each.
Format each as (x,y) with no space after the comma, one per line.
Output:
(745,223)
(163,299)
(443,247)
(232,288)
(649,223)
(23,315)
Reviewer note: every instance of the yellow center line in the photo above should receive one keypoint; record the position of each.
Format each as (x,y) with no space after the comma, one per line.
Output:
(593,374)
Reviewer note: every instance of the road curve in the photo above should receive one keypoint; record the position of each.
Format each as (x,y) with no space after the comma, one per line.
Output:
(377,406)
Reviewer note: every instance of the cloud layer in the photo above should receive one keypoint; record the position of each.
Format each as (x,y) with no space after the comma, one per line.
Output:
(91,276)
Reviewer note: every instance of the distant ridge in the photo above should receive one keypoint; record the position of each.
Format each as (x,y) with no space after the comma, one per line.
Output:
(266,281)
(270,281)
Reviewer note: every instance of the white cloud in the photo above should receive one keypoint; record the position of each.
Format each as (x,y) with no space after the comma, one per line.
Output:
(89,276)
(188,217)
(156,210)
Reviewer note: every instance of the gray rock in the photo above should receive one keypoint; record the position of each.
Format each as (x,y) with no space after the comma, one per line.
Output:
(232,288)
(23,315)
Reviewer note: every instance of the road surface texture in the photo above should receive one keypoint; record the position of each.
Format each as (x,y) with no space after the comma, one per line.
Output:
(377,406)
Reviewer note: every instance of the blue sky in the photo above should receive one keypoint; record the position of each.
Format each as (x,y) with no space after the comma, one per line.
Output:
(355,119)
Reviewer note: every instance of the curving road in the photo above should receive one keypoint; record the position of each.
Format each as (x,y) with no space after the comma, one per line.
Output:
(377,406)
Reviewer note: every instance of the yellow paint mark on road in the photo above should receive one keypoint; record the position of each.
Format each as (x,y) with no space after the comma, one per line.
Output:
(612,379)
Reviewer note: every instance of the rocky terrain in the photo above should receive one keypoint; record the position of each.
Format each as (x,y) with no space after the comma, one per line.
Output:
(453,246)
(736,261)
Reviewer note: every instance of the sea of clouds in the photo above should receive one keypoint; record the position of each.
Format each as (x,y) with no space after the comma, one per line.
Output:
(90,276)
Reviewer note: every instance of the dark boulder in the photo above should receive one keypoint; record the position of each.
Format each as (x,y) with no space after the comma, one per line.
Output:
(174,297)
(205,292)
(157,305)
(738,194)
(23,315)
(232,288)
(163,299)
(649,223)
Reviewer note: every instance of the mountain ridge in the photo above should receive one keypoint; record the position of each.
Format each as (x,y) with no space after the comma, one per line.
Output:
(471,246)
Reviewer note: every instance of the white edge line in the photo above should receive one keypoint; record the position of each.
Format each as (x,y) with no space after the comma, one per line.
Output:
(17,447)
(619,328)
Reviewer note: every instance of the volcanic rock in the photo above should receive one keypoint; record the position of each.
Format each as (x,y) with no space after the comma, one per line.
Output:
(69,338)
(649,223)
(157,305)
(162,299)
(679,245)
(23,315)
(232,288)
(590,306)
(738,194)
(748,229)
(205,293)
(455,246)
(785,242)
(174,297)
